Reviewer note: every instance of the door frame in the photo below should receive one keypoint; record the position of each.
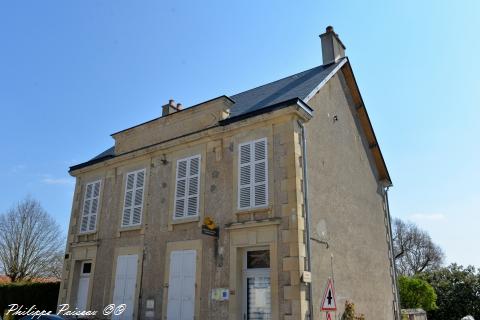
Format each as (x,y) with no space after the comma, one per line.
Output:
(242,237)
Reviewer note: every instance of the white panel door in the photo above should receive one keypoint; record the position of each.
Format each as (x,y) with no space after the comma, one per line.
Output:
(125,285)
(82,292)
(181,285)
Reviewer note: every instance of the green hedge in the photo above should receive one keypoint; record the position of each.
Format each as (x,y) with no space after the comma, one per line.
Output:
(43,295)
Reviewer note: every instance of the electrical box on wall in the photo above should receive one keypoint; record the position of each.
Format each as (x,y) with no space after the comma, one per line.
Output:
(220,294)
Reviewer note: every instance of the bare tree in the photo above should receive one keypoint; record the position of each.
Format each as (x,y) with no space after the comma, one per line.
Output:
(30,242)
(414,250)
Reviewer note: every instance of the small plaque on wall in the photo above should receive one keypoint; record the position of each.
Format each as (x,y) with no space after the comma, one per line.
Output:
(210,232)
(307,276)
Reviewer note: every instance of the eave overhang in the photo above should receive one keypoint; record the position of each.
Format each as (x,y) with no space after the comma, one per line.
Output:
(366,124)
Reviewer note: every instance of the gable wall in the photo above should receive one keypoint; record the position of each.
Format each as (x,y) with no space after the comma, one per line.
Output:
(346,206)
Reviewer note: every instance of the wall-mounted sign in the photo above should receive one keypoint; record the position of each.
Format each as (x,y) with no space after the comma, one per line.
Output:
(306,276)
(210,228)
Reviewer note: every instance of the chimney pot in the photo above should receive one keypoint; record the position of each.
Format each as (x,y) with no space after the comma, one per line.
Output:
(329,29)
(179,106)
(169,108)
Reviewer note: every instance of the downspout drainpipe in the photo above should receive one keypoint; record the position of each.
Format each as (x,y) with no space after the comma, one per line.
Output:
(307,216)
(395,283)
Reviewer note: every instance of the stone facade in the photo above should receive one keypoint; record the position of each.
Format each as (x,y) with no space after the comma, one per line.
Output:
(349,223)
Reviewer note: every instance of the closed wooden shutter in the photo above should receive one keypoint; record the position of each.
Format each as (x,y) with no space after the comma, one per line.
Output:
(181,285)
(133,204)
(90,207)
(187,187)
(253,174)
(125,285)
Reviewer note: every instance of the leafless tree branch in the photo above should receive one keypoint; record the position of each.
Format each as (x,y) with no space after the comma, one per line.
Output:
(414,250)
(31,243)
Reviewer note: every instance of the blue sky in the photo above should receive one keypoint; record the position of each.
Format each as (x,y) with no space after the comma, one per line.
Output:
(73,72)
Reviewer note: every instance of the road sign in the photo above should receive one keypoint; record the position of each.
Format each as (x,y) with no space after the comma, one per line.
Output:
(329,317)
(328,302)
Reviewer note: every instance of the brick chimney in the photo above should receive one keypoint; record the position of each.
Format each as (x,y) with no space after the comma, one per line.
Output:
(170,107)
(332,47)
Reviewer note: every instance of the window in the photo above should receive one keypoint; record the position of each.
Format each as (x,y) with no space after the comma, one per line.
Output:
(90,207)
(258,259)
(133,205)
(86,268)
(187,188)
(252,175)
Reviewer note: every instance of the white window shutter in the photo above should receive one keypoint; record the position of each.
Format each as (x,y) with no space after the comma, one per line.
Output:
(133,204)
(193,186)
(90,207)
(260,173)
(187,187)
(253,174)
(92,223)
(245,176)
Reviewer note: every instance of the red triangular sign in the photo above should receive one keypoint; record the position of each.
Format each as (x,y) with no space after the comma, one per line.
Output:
(328,302)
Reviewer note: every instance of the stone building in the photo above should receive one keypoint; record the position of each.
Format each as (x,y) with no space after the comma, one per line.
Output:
(240,207)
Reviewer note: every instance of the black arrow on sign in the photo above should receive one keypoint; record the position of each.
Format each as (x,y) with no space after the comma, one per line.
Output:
(329,297)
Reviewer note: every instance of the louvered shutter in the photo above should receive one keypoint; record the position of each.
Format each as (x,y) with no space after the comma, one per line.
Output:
(193,186)
(253,174)
(245,176)
(90,207)
(133,204)
(260,173)
(187,187)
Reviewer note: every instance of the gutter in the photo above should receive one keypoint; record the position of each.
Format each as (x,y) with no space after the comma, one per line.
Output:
(307,217)
(283,104)
(392,258)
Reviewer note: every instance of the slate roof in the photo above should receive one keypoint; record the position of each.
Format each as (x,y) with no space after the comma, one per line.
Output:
(110,152)
(299,85)
(253,101)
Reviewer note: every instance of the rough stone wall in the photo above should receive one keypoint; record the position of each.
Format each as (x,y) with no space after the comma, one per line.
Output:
(218,181)
(347,209)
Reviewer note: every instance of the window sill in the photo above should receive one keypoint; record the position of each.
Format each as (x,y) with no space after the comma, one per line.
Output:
(265,209)
(129,229)
(262,213)
(86,233)
(185,220)
(174,222)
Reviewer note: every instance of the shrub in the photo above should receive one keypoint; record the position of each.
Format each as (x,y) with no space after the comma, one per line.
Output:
(416,293)
(349,313)
(43,295)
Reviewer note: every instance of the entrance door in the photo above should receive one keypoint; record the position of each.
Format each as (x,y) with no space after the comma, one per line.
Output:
(181,285)
(83,284)
(257,288)
(125,285)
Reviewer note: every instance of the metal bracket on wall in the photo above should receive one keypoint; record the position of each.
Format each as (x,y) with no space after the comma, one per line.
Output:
(321,241)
